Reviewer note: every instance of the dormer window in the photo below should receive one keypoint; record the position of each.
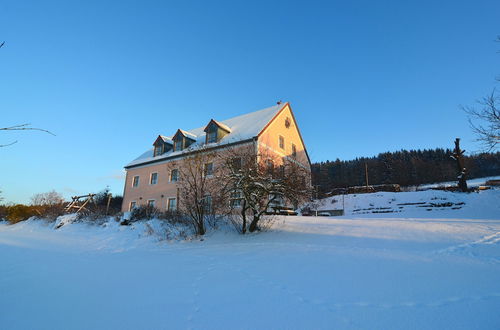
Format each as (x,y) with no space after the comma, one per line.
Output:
(215,131)
(178,145)
(183,139)
(158,150)
(212,136)
(161,145)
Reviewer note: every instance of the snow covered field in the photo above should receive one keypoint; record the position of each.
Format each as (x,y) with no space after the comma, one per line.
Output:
(363,272)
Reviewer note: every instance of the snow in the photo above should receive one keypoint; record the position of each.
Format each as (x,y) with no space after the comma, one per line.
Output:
(242,128)
(430,203)
(415,270)
(470,183)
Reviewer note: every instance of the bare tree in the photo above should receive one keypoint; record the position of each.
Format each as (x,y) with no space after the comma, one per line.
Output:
(48,205)
(21,127)
(462,171)
(259,184)
(485,120)
(198,191)
(47,198)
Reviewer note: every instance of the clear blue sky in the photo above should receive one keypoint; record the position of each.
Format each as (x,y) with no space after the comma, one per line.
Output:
(107,77)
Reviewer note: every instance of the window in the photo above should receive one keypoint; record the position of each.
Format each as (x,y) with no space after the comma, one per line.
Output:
(174,175)
(178,145)
(278,200)
(269,166)
(235,199)
(236,163)
(158,150)
(209,169)
(132,205)
(294,150)
(172,204)
(154,178)
(282,142)
(135,181)
(151,203)
(207,203)
(212,136)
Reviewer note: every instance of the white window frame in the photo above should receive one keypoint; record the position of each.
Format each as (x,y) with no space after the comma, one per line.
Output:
(169,205)
(134,185)
(151,178)
(170,176)
(151,202)
(131,207)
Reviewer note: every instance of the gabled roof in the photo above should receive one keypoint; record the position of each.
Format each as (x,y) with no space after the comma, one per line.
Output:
(242,128)
(163,138)
(221,125)
(184,133)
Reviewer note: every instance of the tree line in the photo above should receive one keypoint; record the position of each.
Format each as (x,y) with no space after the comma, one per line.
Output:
(404,167)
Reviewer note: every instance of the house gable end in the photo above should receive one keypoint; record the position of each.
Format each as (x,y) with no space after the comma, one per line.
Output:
(283,128)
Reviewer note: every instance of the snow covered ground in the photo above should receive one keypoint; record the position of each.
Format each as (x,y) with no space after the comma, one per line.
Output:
(470,183)
(385,271)
(430,203)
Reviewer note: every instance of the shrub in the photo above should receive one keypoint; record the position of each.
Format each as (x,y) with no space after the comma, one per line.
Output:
(144,212)
(3,212)
(20,212)
(49,211)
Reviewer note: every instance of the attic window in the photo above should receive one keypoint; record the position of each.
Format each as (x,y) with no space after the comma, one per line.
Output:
(159,149)
(212,136)
(215,131)
(178,145)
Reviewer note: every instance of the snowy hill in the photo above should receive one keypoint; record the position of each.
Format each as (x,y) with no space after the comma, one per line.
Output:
(372,271)
(422,204)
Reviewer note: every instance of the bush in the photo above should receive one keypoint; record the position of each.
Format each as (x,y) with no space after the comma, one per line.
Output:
(49,211)
(20,212)
(3,212)
(144,212)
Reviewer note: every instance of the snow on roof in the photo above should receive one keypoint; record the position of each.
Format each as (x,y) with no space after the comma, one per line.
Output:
(166,139)
(221,125)
(186,134)
(241,128)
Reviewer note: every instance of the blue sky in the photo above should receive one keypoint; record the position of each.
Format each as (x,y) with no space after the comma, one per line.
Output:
(362,77)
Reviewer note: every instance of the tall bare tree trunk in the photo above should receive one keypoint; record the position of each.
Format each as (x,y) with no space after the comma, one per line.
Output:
(253,225)
(244,217)
(462,171)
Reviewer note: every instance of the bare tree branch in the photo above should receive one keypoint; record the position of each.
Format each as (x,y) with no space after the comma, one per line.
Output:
(22,127)
(485,121)
(25,127)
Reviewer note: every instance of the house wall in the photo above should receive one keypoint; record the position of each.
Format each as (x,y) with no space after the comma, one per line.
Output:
(160,192)
(164,189)
(269,138)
